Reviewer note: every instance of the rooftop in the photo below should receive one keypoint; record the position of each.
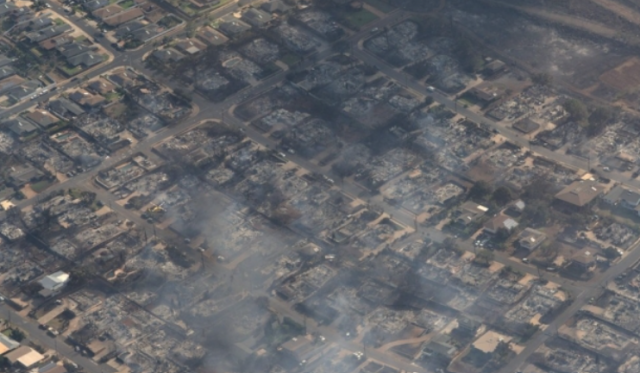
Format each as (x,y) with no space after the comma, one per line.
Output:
(580,192)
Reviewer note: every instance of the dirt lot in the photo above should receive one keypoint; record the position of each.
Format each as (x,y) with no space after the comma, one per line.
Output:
(625,77)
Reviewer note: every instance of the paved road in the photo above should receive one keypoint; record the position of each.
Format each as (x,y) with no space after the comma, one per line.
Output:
(56,344)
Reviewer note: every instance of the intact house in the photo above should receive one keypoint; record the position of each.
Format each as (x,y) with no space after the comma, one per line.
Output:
(21,127)
(624,197)
(86,99)
(24,174)
(64,108)
(53,283)
(24,357)
(498,222)
(469,212)
(211,36)
(256,17)
(42,118)
(579,195)
(583,261)
(7,344)
(168,55)
(101,86)
(531,239)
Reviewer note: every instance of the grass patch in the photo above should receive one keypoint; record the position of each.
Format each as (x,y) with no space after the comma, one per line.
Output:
(41,185)
(169,21)
(81,38)
(357,19)
(75,193)
(127,4)
(290,59)
(35,52)
(30,137)
(112,96)
(70,71)
(58,22)
(381,5)
(57,127)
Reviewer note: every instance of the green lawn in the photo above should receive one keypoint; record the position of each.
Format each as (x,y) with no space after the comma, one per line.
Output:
(41,185)
(35,52)
(290,59)
(356,20)
(381,5)
(126,4)
(58,22)
(71,71)
(112,96)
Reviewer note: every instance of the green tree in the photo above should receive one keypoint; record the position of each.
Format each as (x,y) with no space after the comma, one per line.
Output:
(480,190)
(484,257)
(577,111)
(502,195)
(599,119)
(502,234)
(17,334)
(451,244)
(611,253)
(542,79)
(529,330)
(536,213)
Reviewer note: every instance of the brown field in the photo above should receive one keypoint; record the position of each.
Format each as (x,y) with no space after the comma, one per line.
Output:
(625,77)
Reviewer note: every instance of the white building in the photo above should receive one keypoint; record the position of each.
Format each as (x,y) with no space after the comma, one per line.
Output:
(53,283)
